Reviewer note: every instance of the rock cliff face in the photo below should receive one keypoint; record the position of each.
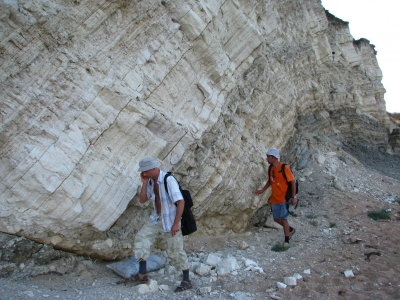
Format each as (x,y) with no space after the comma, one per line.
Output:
(88,88)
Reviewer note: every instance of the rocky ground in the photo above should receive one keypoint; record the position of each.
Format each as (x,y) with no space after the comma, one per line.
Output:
(335,237)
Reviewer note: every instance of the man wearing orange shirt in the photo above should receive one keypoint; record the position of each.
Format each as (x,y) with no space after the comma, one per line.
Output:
(279,186)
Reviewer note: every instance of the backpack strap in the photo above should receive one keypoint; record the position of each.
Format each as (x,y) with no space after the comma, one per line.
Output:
(284,176)
(165,181)
(188,202)
(283,172)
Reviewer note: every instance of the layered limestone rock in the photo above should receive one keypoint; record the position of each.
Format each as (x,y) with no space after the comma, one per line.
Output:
(91,87)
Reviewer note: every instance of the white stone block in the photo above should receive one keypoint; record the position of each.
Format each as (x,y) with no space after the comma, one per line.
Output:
(163,287)
(230,264)
(212,260)
(297,276)
(257,269)
(281,285)
(290,281)
(202,270)
(153,285)
(205,289)
(320,159)
(222,271)
(143,289)
(307,271)
(249,262)
(348,273)
(243,245)
(307,173)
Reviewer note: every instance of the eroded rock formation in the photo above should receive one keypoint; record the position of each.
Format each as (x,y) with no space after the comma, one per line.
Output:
(89,88)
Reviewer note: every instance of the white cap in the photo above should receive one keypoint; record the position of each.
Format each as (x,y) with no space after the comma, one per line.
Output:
(273,152)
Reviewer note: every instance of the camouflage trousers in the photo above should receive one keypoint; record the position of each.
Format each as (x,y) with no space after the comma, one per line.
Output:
(146,237)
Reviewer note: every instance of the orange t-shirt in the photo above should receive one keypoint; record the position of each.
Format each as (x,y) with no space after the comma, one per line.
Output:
(278,183)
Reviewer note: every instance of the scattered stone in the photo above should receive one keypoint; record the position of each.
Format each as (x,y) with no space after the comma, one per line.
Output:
(242,296)
(153,285)
(320,159)
(202,270)
(348,273)
(213,260)
(281,285)
(354,240)
(143,289)
(297,276)
(243,245)
(338,185)
(226,266)
(205,289)
(163,287)
(307,173)
(307,271)
(249,262)
(290,281)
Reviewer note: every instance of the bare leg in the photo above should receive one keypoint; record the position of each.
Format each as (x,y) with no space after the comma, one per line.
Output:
(285,225)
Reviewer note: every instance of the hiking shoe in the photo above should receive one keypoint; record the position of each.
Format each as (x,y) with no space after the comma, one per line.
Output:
(286,245)
(291,233)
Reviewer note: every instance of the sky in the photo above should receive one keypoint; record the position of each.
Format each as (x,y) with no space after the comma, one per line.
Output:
(377,21)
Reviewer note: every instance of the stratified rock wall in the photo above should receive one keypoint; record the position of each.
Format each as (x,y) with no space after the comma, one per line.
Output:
(88,88)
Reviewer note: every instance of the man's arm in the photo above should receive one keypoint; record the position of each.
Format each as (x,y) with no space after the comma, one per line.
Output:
(293,199)
(258,192)
(179,210)
(143,192)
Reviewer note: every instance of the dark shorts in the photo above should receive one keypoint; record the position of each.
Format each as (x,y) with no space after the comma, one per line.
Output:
(280,211)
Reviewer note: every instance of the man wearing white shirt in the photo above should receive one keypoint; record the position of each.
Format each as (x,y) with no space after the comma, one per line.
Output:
(164,221)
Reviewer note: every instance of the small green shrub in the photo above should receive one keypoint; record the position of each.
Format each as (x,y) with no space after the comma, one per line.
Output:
(279,248)
(379,215)
(397,200)
(317,138)
(332,225)
(312,216)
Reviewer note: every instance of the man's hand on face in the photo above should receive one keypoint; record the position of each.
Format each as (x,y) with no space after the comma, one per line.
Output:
(144,177)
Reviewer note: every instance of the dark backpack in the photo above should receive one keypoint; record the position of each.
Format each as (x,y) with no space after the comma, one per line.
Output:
(188,223)
(288,195)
